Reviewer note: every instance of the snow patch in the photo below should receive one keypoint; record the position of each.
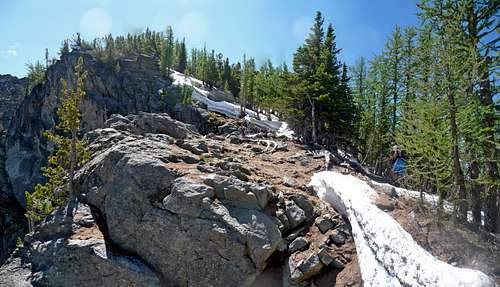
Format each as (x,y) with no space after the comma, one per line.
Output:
(387,254)
(200,94)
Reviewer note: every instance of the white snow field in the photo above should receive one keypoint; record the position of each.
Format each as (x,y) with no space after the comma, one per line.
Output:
(229,109)
(387,254)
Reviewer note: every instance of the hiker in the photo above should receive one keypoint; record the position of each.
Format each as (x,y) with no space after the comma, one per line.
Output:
(397,160)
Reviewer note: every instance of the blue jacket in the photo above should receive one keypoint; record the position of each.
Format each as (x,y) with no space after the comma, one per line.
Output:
(399,166)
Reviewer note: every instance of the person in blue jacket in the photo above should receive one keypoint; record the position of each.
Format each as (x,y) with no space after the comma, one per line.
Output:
(397,160)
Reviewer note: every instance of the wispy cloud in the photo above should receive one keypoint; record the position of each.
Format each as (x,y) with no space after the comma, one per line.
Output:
(12,51)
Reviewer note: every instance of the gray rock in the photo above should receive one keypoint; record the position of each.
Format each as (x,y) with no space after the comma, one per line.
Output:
(234,139)
(16,272)
(218,96)
(186,197)
(302,201)
(337,238)
(295,234)
(289,182)
(337,263)
(324,223)
(241,175)
(12,221)
(310,267)
(283,219)
(196,147)
(325,257)
(68,249)
(257,149)
(227,128)
(218,182)
(295,214)
(299,244)
(131,89)
(291,274)
(238,192)
(227,240)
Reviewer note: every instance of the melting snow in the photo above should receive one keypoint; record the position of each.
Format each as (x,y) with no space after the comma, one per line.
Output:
(387,254)
(229,109)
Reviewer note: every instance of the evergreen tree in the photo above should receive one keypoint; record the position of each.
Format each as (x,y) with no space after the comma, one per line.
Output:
(319,97)
(64,48)
(68,156)
(36,75)
(167,52)
(182,57)
(394,59)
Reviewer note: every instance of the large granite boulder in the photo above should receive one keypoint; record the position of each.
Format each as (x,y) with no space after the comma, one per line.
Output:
(170,218)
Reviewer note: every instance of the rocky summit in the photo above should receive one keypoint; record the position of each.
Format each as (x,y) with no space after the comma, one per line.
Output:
(159,204)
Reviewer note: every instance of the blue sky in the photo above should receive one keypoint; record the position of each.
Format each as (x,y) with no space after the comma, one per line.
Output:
(260,28)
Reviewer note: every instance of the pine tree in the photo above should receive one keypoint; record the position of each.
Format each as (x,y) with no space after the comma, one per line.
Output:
(182,57)
(36,75)
(394,59)
(69,153)
(319,97)
(167,52)
(64,50)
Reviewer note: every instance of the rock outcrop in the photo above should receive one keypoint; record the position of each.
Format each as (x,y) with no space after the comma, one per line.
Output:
(160,205)
(11,215)
(68,249)
(122,86)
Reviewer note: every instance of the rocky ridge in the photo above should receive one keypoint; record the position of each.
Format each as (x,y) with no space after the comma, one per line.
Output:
(158,200)
(123,86)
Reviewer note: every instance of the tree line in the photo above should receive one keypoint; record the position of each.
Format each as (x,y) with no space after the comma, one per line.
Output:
(432,91)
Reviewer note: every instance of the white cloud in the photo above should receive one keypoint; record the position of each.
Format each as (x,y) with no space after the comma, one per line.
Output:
(301,28)
(96,22)
(194,26)
(12,51)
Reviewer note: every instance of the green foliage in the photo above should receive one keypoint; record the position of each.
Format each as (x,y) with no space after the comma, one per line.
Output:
(322,96)
(186,92)
(69,152)
(431,92)
(214,122)
(163,94)
(36,76)
(167,51)
(19,242)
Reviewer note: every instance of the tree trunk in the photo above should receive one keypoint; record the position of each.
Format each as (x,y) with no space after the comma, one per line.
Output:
(313,118)
(72,160)
(458,173)
(475,191)
(492,200)
(395,101)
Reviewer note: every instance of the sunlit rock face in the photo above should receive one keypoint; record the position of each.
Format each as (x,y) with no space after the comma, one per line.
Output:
(122,86)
